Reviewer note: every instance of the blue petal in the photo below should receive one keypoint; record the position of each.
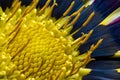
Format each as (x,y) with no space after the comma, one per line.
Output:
(63,6)
(26,2)
(84,15)
(98,74)
(105,7)
(110,44)
(102,9)
(104,64)
(96,78)
(41,3)
(60,9)
(5,3)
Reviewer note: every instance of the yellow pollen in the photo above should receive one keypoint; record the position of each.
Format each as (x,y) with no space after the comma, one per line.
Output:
(36,46)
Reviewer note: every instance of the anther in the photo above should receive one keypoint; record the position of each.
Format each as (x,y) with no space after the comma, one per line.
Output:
(17,26)
(14,35)
(76,31)
(89,19)
(97,44)
(87,37)
(29,9)
(51,9)
(15,3)
(74,20)
(92,48)
(84,24)
(45,6)
(69,8)
(71,70)
(78,11)
(66,22)
(82,39)
(17,6)
(34,4)
(79,39)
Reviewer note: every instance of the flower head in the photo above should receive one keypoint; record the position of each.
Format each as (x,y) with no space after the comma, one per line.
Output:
(37,44)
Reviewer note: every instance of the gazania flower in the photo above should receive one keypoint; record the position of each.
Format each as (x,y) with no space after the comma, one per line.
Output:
(60,40)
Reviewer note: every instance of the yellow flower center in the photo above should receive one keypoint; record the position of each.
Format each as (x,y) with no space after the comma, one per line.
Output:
(35,46)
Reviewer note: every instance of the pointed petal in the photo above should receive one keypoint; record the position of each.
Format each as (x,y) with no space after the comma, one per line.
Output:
(105,7)
(113,16)
(104,64)
(98,74)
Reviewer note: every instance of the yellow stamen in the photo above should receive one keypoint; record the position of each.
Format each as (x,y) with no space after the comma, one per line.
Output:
(87,37)
(79,39)
(17,26)
(92,48)
(69,9)
(34,4)
(45,6)
(74,20)
(85,23)
(66,23)
(52,7)
(17,6)
(82,39)
(79,11)
(76,31)
(96,46)
(14,35)
(15,3)
(89,19)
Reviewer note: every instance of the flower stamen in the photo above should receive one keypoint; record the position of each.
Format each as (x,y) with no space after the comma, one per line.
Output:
(85,23)
(74,20)
(69,8)
(51,9)
(45,6)
(78,11)
(15,9)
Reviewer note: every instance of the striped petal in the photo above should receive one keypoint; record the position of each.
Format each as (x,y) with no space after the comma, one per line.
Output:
(110,44)
(98,74)
(105,7)
(107,64)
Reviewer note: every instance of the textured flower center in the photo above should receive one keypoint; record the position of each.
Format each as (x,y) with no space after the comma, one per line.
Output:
(38,53)
(35,46)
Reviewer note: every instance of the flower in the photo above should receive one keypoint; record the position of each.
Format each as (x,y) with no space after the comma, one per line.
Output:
(68,40)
